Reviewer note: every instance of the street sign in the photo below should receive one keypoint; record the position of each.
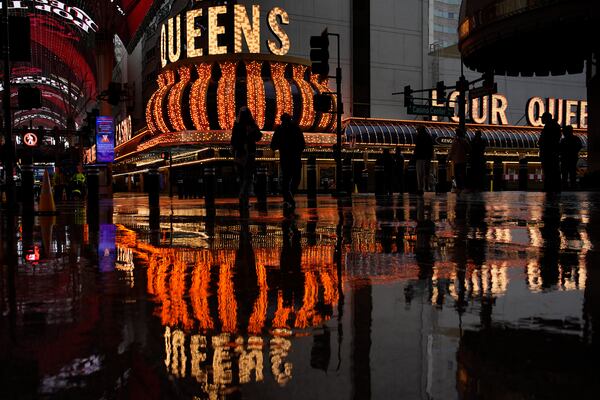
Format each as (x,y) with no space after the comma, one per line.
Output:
(423,109)
(30,139)
(482,91)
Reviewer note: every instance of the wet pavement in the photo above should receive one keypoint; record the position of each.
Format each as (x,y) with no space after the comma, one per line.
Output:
(487,296)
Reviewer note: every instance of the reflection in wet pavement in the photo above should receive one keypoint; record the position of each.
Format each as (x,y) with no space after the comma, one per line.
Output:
(485,296)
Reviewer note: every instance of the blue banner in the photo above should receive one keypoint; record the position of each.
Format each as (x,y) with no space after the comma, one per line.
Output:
(105,139)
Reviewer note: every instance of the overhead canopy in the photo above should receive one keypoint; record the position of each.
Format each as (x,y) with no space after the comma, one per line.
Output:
(538,37)
(63,59)
(395,132)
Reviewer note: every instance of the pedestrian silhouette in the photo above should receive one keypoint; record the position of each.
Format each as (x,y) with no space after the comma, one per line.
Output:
(549,143)
(477,158)
(459,151)
(399,170)
(244,136)
(289,140)
(388,171)
(423,155)
(570,145)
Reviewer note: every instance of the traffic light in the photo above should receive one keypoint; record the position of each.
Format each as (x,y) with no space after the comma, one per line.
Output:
(165,155)
(408,97)
(488,79)
(322,102)
(29,97)
(462,85)
(319,54)
(440,90)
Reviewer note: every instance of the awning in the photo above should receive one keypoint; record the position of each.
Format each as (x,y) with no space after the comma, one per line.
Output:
(399,132)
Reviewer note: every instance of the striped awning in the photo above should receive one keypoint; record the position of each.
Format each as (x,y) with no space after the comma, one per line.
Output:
(391,132)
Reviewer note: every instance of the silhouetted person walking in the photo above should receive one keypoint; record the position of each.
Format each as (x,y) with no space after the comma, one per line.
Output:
(289,140)
(549,153)
(244,136)
(423,155)
(399,170)
(477,158)
(388,171)
(570,145)
(458,154)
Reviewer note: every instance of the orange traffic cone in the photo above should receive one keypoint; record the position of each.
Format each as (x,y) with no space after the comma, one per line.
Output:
(46,205)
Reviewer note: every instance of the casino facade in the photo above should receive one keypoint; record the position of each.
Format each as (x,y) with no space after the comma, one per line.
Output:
(211,58)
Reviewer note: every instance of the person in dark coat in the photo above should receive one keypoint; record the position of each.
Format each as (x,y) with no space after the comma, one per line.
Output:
(570,145)
(244,136)
(289,140)
(399,170)
(549,143)
(423,155)
(477,158)
(458,154)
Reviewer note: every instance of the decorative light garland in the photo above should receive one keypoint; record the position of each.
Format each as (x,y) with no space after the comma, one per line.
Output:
(149,107)
(283,92)
(165,81)
(198,97)
(307,118)
(174,107)
(326,118)
(226,95)
(256,92)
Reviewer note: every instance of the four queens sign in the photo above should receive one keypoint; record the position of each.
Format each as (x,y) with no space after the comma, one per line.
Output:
(105,139)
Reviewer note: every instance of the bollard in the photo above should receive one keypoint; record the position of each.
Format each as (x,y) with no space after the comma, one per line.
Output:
(153,187)
(347,176)
(311,177)
(379,177)
(27,192)
(260,188)
(442,173)
(523,174)
(209,187)
(93,187)
(498,175)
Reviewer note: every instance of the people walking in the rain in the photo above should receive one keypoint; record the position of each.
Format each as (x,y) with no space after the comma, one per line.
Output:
(423,155)
(244,136)
(549,143)
(459,151)
(570,145)
(289,140)
(477,158)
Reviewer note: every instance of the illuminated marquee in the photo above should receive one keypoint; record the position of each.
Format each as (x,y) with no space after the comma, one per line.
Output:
(74,14)
(479,110)
(182,36)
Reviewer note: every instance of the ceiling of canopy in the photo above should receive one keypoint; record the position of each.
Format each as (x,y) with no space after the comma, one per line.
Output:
(63,35)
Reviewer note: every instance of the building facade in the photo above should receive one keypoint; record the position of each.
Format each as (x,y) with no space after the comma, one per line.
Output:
(385,45)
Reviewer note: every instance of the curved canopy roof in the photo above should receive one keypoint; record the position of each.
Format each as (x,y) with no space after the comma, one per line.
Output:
(530,37)
(396,132)
(63,59)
